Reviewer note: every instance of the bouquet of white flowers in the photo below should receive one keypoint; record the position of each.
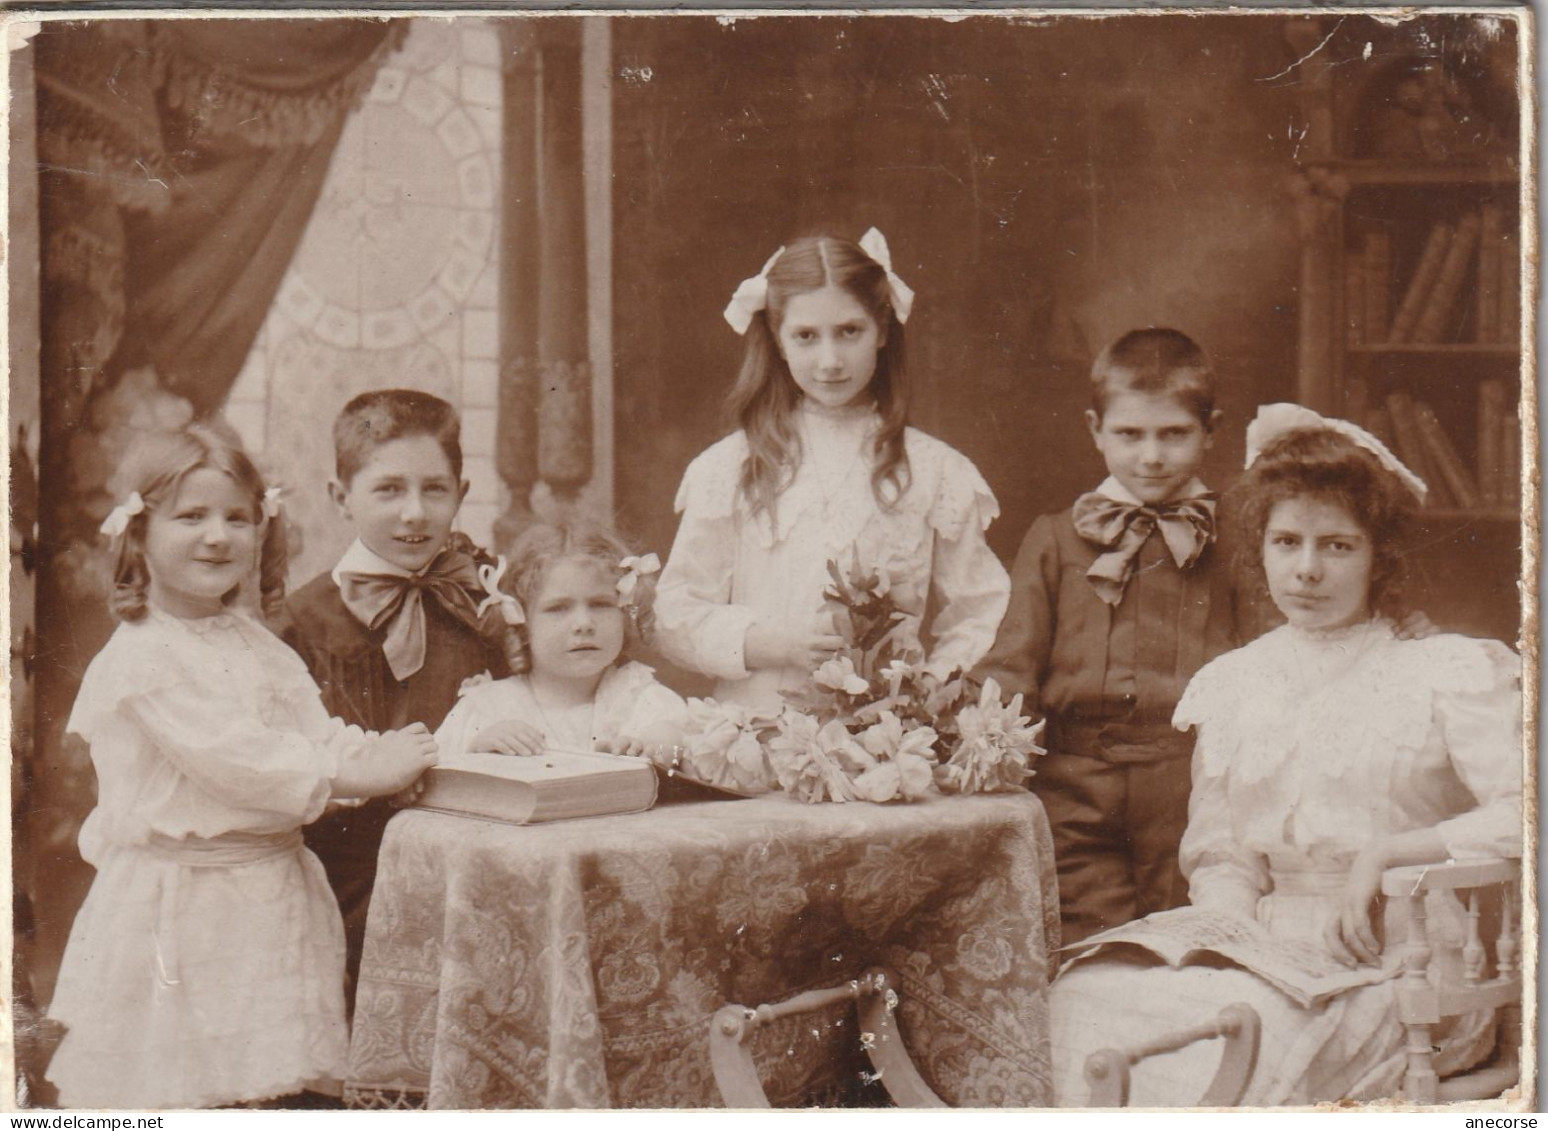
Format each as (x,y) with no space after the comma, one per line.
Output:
(875,724)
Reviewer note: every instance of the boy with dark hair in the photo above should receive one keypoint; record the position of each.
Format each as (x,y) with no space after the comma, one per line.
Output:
(390,634)
(1115,604)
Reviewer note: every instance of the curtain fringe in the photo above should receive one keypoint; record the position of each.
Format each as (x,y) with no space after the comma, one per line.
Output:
(224,106)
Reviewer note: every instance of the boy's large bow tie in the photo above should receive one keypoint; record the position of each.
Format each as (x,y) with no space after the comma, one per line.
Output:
(396,602)
(1187,525)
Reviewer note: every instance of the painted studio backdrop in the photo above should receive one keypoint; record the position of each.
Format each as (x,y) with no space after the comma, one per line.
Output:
(540,220)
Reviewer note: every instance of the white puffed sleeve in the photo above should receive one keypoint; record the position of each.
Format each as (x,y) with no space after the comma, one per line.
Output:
(1478,711)
(1222,874)
(967,580)
(697,626)
(480,705)
(237,759)
(632,704)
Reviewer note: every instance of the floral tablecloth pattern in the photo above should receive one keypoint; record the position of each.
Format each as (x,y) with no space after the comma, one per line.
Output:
(578,964)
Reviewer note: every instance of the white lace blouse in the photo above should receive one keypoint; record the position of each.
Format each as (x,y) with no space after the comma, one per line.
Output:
(200,728)
(729,569)
(1312,745)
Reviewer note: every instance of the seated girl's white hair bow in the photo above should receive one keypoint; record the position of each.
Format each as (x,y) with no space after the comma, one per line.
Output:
(634,568)
(1275,420)
(489,577)
(117,520)
(874,244)
(750,296)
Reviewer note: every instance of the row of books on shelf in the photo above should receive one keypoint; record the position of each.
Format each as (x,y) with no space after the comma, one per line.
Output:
(1413,430)
(1433,309)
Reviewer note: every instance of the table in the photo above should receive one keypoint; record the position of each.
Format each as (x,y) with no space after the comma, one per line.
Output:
(577,964)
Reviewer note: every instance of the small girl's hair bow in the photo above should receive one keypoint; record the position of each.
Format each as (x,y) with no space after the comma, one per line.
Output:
(271,502)
(489,577)
(118,518)
(874,244)
(750,296)
(634,568)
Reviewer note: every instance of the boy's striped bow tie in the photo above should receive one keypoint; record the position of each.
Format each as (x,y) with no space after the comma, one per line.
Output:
(1187,525)
(396,603)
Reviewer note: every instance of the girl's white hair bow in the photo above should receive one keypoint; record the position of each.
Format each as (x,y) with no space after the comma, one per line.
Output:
(271,502)
(750,296)
(117,520)
(489,577)
(1275,420)
(634,568)
(874,244)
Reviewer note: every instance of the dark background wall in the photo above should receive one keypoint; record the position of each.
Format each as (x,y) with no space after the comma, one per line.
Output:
(1045,185)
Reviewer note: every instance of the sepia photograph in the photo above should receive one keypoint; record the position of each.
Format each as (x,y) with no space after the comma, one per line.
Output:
(811,559)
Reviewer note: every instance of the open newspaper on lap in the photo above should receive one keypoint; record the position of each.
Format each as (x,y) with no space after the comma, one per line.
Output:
(1188,936)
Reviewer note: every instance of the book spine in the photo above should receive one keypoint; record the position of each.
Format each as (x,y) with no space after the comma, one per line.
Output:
(1491,426)
(1357,399)
(1448,284)
(1378,422)
(1443,456)
(1410,447)
(1511,443)
(1487,326)
(1354,297)
(1430,263)
(1510,288)
(1378,285)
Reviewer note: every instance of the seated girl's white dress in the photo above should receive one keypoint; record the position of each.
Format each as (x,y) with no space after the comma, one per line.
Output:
(1311,746)
(627,704)
(206,966)
(729,569)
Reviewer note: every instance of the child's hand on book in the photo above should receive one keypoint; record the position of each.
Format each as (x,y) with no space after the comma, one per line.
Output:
(510,736)
(661,742)
(387,764)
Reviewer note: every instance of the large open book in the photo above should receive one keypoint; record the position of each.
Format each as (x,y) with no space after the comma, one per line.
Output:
(549,787)
(1304,971)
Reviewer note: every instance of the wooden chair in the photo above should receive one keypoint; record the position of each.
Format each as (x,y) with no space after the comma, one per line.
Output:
(1107,1070)
(1424,1000)
(875,1000)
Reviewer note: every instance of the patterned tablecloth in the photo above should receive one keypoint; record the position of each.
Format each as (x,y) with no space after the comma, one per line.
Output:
(578,964)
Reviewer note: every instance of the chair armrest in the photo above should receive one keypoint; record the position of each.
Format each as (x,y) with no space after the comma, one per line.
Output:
(1450,875)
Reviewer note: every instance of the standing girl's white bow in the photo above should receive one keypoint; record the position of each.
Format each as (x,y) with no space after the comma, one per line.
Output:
(510,608)
(117,520)
(874,244)
(751,296)
(634,568)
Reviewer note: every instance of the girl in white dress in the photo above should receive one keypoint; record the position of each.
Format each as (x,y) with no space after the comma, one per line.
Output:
(823,466)
(206,965)
(1328,751)
(576,598)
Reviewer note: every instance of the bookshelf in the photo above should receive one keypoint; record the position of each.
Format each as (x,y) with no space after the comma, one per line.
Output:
(1410,321)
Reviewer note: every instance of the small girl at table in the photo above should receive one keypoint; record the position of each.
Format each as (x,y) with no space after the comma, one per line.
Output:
(206,965)
(576,599)
(823,466)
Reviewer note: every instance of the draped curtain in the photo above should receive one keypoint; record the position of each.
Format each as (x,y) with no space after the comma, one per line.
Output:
(179,162)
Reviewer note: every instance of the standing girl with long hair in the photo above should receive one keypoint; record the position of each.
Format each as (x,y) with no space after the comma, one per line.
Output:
(824,466)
